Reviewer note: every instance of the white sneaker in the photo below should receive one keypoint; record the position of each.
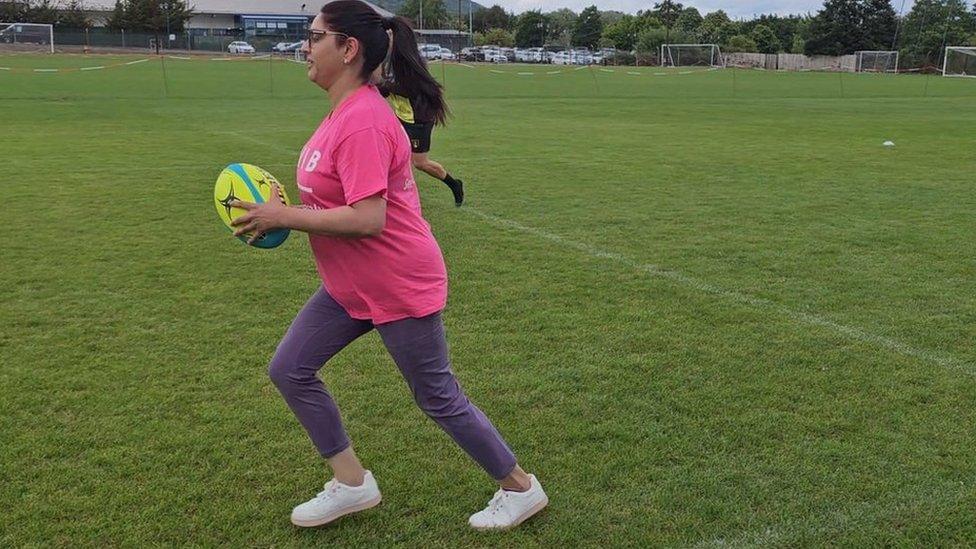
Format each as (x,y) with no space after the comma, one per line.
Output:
(509,509)
(337,500)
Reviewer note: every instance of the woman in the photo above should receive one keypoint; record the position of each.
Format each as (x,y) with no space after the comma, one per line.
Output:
(381,268)
(418,102)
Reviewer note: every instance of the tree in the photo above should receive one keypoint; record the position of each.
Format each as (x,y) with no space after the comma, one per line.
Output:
(798,44)
(610,17)
(668,12)
(494,17)
(150,16)
(765,39)
(588,28)
(40,12)
(117,20)
(880,24)
(714,28)
(561,25)
(836,29)
(73,16)
(650,40)
(622,34)
(740,43)
(530,30)
(689,20)
(499,37)
(931,25)
(434,14)
(12,11)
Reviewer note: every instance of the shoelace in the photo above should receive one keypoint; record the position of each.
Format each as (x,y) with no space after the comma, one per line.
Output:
(331,487)
(497,502)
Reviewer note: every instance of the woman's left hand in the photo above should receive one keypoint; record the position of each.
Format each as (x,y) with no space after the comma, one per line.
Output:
(260,218)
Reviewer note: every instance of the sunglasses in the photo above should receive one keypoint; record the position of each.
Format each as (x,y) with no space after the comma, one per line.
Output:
(315,35)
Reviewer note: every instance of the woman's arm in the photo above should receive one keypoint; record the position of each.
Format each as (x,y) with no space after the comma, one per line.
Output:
(360,220)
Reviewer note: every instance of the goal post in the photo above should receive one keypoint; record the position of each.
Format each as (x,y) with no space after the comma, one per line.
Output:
(876,61)
(691,55)
(959,62)
(27,37)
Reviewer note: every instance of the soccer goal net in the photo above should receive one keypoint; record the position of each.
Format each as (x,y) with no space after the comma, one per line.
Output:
(877,61)
(691,55)
(960,61)
(27,37)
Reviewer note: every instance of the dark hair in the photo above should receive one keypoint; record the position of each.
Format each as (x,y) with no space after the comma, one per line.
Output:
(406,69)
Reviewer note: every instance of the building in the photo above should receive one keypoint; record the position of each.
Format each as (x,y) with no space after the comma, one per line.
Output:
(248,18)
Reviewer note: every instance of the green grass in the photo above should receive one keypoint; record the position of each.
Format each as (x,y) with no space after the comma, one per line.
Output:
(706,309)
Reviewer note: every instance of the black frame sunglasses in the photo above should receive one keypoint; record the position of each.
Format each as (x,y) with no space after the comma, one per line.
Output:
(314,35)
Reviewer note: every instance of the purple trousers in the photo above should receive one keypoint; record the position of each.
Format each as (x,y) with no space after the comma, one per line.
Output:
(419,348)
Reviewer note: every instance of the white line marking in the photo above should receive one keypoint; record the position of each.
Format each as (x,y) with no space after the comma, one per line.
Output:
(678,277)
(4,68)
(137,62)
(634,73)
(526,74)
(98,68)
(45,70)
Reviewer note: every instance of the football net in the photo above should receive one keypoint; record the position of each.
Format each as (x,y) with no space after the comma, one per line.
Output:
(960,61)
(877,61)
(691,55)
(27,37)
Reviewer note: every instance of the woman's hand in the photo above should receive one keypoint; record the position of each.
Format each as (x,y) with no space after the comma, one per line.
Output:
(260,218)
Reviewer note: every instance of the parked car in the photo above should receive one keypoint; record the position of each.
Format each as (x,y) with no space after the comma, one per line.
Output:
(472,54)
(447,55)
(562,58)
(495,58)
(286,46)
(240,47)
(430,51)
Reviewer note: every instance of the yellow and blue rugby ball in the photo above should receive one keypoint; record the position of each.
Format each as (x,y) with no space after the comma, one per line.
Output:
(247,183)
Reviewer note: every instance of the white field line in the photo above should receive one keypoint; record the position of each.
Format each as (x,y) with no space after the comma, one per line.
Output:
(4,68)
(800,317)
(45,70)
(682,279)
(98,68)
(137,62)
(526,74)
(633,73)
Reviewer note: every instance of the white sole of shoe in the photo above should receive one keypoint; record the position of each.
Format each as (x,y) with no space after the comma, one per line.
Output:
(525,516)
(339,514)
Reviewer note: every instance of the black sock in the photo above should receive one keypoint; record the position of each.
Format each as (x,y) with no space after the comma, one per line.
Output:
(457,188)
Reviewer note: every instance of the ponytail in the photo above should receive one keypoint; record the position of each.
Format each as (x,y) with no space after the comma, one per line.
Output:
(410,76)
(405,71)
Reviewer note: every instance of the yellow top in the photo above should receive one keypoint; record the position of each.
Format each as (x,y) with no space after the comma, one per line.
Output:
(401,107)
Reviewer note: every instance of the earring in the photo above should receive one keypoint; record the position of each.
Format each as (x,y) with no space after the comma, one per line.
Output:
(345,61)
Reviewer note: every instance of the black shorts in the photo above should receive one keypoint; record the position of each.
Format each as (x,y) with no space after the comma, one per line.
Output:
(419,135)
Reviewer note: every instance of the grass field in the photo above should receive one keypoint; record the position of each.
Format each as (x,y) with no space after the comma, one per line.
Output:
(707,309)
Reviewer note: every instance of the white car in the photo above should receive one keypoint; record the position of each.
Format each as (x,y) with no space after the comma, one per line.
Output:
(287,46)
(447,55)
(562,58)
(495,58)
(430,51)
(240,47)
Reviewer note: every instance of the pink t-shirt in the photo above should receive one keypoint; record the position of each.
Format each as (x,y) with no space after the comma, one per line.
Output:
(360,150)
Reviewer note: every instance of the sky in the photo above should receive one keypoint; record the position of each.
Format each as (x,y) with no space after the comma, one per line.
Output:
(735,8)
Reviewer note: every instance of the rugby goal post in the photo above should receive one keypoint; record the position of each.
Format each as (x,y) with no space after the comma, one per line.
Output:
(27,37)
(959,62)
(691,55)
(876,61)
